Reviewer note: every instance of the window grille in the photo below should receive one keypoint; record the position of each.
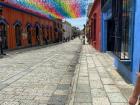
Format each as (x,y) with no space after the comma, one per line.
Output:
(103,2)
(122,19)
(121,16)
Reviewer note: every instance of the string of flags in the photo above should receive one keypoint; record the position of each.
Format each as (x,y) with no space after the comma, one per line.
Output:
(59,9)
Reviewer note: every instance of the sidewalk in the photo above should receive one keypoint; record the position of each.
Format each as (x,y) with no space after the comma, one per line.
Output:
(96,82)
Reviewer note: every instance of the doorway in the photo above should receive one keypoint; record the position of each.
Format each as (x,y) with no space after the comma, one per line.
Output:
(94,28)
(18,34)
(43,34)
(37,35)
(110,35)
(29,35)
(3,31)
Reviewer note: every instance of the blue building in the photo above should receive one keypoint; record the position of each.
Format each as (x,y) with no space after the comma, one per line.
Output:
(121,35)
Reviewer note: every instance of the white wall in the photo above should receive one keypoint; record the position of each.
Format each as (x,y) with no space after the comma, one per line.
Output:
(68,31)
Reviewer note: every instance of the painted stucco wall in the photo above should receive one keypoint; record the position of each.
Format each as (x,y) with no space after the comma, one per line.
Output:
(96,13)
(128,73)
(68,30)
(136,54)
(24,18)
(106,14)
(135,63)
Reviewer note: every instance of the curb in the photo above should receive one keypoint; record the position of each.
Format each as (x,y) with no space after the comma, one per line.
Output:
(74,86)
(74,82)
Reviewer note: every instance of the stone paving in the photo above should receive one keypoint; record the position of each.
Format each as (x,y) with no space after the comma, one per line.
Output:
(97,82)
(39,76)
(56,75)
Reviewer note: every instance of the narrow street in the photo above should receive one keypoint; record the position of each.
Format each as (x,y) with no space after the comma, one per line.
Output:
(39,76)
(69,52)
(64,74)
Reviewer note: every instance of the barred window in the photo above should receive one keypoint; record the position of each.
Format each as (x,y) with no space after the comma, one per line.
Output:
(103,2)
(122,18)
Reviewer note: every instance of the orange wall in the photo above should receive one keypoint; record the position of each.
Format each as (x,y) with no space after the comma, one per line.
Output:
(12,16)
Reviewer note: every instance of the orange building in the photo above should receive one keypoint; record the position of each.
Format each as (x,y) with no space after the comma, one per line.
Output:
(94,25)
(21,28)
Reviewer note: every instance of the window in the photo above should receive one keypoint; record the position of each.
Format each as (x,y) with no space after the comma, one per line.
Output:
(94,21)
(18,34)
(3,28)
(122,19)
(29,34)
(103,2)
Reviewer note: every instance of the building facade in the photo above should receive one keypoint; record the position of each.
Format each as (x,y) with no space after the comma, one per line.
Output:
(75,32)
(58,30)
(120,35)
(21,28)
(67,34)
(94,24)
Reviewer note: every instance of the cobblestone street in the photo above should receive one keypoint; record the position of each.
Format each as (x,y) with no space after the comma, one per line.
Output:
(69,52)
(39,76)
(55,75)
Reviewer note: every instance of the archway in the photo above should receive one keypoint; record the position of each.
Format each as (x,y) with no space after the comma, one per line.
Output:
(3,32)
(37,32)
(18,34)
(29,35)
(43,34)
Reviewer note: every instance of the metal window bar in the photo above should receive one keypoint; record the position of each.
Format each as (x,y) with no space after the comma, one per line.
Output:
(103,3)
(121,15)
(116,8)
(126,26)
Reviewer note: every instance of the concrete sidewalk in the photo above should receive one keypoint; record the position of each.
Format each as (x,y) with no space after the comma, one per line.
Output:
(96,82)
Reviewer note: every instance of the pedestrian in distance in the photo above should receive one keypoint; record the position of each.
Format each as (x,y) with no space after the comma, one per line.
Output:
(134,98)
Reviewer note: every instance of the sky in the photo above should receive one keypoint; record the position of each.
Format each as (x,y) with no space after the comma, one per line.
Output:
(79,22)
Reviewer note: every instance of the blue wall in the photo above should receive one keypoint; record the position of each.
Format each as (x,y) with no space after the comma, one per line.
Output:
(104,35)
(135,51)
(123,70)
(106,14)
(136,45)
(134,42)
